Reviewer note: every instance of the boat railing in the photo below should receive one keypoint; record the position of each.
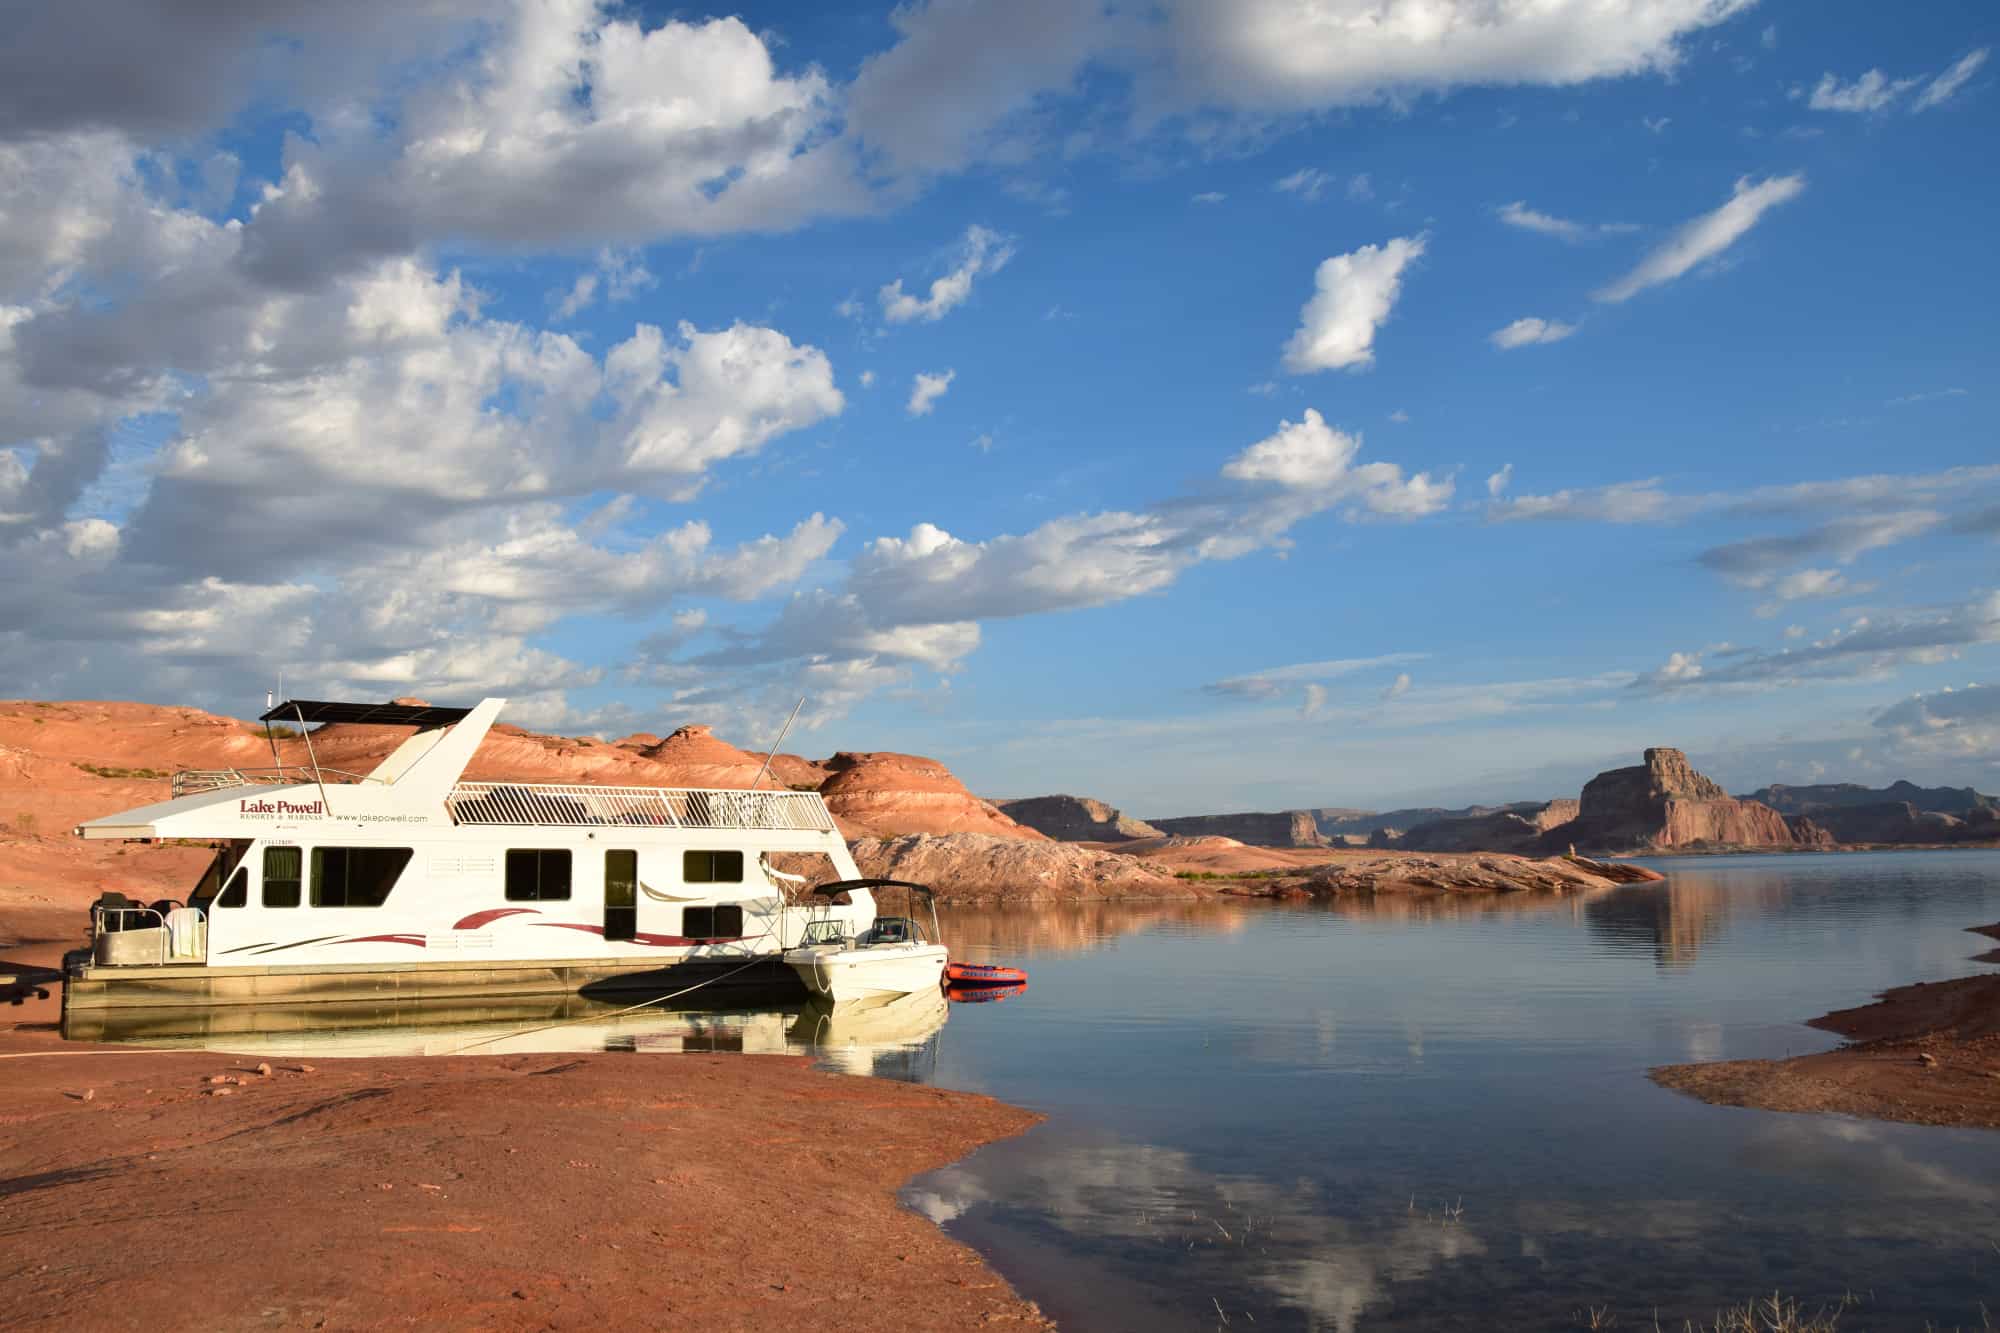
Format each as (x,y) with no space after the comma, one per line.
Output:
(670,807)
(189,781)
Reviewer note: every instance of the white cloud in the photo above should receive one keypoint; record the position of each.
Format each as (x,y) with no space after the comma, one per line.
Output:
(1656,124)
(1868,646)
(1398,687)
(926,390)
(1307,182)
(1273,55)
(1210,197)
(1528,330)
(1960,724)
(1930,396)
(867,379)
(1277,681)
(1621,502)
(1873,91)
(1353,295)
(1707,236)
(983,251)
(1946,85)
(1314,458)
(621,273)
(1496,485)
(1753,562)
(1518,214)
(1315,701)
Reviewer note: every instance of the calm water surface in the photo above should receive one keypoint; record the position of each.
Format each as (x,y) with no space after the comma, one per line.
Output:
(1424,1113)
(1434,1114)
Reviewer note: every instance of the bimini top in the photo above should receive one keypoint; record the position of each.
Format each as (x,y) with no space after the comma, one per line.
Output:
(375,715)
(843,885)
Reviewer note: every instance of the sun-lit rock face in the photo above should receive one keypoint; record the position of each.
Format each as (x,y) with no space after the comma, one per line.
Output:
(1664,803)
(887,794)
(982,866)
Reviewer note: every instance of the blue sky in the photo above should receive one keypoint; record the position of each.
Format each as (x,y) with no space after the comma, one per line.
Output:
(1197,406)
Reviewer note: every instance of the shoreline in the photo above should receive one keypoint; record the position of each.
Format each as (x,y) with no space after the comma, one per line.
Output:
(510,1191)
(1927,1053)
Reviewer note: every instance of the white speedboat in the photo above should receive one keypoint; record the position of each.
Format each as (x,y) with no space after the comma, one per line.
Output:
(894,955)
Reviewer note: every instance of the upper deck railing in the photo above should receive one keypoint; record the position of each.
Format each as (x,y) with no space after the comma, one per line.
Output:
(666,807)
(189,781)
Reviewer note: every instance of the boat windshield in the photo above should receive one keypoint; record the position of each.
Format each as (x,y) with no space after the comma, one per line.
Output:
(825,932)
(895,930)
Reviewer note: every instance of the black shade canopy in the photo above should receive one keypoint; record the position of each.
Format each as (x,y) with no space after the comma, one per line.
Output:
(843,885)
(378,715)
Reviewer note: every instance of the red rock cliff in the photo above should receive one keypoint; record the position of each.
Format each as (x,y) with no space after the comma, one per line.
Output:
(1664,803)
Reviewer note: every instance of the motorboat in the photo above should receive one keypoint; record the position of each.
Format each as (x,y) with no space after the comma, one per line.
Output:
(893,955)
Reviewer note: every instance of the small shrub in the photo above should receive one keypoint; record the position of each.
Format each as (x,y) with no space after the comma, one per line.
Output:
(24,823)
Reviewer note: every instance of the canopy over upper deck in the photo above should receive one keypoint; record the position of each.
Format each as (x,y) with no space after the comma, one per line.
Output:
(373,715)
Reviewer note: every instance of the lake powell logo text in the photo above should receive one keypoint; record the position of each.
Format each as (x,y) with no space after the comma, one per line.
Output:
(278,808)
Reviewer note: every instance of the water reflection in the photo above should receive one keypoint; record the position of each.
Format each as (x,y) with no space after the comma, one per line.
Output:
(1254,1247)
(893,1038)
(1676,919)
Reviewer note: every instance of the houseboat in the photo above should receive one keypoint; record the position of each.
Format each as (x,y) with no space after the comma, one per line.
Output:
(407,883)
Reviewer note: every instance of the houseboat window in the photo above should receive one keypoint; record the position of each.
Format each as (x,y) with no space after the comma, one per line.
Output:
(237,891)
(712,867)
(621,895)
(356,876)
(284,869)
(713,923)
(538,876)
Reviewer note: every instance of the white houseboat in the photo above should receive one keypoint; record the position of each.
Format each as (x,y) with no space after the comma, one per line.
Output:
(408,883)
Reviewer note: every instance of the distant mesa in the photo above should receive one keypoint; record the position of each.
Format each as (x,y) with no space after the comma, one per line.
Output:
(1283,828)
(1959,801)
(1661,804)
(1519,828)
(1076,819)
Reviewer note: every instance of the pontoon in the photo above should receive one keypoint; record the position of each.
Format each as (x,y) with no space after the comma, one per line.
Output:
(409,883)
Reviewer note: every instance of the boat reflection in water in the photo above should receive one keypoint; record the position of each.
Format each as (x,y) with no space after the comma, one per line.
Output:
(893,1038)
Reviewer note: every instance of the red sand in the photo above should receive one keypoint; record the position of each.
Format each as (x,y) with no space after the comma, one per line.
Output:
(559,1191)
(1927,1053)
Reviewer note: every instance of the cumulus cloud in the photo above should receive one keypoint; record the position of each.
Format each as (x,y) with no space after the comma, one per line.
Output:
(1352,297)
(1529,330)
(926,390)
(1705,237)
(1496,485)
(1272,55)
(983,251)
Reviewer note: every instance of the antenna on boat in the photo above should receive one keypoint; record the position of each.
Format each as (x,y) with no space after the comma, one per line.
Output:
(780,741)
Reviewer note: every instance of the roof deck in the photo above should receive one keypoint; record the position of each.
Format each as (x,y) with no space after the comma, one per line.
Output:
(557,806)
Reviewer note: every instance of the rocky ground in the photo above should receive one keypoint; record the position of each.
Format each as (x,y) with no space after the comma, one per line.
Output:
(1928,1053)
(153,1191)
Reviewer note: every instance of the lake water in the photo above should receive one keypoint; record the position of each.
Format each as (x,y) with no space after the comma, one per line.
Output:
(1416,1114)
(1435,1113)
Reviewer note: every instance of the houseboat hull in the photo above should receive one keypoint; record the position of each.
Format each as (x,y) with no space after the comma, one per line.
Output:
(92,986)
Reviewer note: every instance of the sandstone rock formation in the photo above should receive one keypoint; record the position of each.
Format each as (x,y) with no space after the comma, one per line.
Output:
(886,795)
(1076,819)
(1901,822)
(1663,803)
(1959,801)
(1807,832)
(967,866)
(1285,828)
(1517,828)
(1486,872)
